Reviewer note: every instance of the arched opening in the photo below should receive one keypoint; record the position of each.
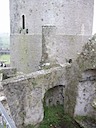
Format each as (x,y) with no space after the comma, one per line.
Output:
(54,116)
(4,33)
(53,106)
(54,96)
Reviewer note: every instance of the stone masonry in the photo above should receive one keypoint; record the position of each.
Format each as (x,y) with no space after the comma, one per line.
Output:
(25,93)
(72,18)
(49,44)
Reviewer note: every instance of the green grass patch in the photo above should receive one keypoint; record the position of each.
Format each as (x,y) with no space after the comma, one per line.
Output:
(54,117)
(6,58)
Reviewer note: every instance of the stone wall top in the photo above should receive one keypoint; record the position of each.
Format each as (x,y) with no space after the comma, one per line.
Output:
(23,77)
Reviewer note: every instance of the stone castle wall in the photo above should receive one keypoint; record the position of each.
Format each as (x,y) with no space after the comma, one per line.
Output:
(73,20)
(25,94)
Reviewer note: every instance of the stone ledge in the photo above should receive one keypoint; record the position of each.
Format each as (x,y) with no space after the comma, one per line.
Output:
(86,123)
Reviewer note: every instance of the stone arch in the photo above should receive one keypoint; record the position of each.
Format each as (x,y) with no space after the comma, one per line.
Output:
(54,96)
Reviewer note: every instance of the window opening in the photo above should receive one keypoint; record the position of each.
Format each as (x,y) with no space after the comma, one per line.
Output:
(23,21)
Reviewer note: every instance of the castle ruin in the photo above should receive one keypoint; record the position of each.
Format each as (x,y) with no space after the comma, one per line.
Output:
(50,45)
(49,30)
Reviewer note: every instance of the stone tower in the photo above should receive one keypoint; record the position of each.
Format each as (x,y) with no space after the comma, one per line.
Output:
(73,20)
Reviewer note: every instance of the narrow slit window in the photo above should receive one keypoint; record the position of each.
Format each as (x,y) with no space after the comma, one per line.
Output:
(23,21)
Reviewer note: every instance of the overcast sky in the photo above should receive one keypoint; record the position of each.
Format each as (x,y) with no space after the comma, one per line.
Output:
(4,17)
(94,20)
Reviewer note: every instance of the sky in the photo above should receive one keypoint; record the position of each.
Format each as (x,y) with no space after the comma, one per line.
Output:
(4,16)
(94,19)
(5,22)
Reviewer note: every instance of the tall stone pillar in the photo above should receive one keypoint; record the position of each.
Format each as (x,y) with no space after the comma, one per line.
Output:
(48,46)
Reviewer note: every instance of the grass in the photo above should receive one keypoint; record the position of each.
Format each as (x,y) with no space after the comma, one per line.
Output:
(55,118)
(6,58)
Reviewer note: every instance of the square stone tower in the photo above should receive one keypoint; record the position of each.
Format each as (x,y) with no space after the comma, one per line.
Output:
(73,20)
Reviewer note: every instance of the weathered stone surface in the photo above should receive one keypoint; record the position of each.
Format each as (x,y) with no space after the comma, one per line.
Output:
(8,72)
(49,45)
(81,82)
(74,27)
(25,94)
(87,122)
(86,94)
(3,100)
